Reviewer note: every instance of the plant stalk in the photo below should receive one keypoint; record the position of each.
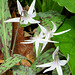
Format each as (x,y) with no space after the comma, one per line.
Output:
(15,40)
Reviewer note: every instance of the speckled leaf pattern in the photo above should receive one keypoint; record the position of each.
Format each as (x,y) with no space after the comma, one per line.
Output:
(51,15)
(10,62)
(5,28)
(22,70)
(44,58)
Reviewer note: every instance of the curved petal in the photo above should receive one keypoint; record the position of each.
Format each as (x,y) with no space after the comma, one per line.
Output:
(13,20)
(36,46)
(42,28)
(50,69)
(20,9)
(33,15)
(55,52)
(27,42)
(52,41)
(62,32)
(59,70)
(30,11)
(45,65)
(41,35)
(44,45)
(54,27)
(32,21)
(63,62)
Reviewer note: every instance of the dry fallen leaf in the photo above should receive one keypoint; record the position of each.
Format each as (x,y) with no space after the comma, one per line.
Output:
(22,49)
(25,62)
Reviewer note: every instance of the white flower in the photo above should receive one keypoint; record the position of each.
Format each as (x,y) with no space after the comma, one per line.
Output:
(55,64)
(37,39)
(49,33)
(26,16)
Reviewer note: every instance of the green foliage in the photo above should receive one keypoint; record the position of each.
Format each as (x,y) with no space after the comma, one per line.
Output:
(50,4)
(51,16)
(67,41)
(22,70)
(10,62)
(38,5)
(66,70)
(44,58)
(68,4)
(5,28)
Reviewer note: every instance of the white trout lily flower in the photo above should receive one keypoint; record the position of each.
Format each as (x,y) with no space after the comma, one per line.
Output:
(37,39)
(26,16)
(50,33)
(55,64)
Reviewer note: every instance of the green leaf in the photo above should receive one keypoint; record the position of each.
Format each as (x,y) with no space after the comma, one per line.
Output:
(68,4)
(38,3)
(44,58)
(10,62)
(56,7)
(67,41)
(44,6)
(5,28)
(66,70)
(22,70)
(51,16)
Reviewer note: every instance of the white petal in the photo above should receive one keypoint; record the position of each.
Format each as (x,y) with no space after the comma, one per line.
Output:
(45,65)
(59,70)
(30,11)
(55,52)
(50,69)
(27,42)
(25,20)
(41,35)
(42,28)
(32,21)
(54,27)
(45,40)
(32,15)
(63,62)
(36,46)
(20,9)
(52,41)
(44,45)
(62,32)
(13,20)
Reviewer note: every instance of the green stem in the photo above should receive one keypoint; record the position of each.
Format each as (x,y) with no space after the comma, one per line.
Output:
(4,30)
(15,40)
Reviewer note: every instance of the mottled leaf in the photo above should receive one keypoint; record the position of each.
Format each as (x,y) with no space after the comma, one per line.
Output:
(22,70)
(10,62)
(51,16)
(44,58)
(67,41)
(5,28)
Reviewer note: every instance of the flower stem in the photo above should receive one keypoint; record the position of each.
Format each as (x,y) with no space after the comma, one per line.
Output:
(15,40)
